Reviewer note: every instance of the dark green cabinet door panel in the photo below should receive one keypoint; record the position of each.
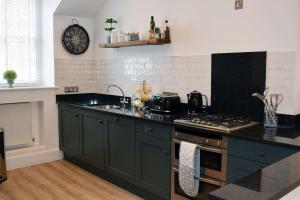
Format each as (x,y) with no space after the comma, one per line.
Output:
(70,130)
(120,147)
(154,129)
(93,129)
(238,168)
(258,152)
(153,165)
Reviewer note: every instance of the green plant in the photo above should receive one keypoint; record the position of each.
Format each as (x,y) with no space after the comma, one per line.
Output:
(10,75)
(110,21)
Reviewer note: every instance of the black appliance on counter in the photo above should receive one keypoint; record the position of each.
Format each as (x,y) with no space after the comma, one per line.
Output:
(166,102)
(195,102)
(3,175)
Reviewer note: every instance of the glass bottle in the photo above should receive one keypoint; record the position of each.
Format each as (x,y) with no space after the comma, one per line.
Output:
(152,28)
(167,30)
(152,23)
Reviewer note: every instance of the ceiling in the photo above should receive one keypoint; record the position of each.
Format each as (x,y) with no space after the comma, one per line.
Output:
(79,8)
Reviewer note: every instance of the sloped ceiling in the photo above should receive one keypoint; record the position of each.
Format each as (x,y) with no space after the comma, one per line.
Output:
(79,8)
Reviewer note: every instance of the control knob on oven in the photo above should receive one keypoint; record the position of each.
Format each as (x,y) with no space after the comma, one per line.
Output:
(206,141)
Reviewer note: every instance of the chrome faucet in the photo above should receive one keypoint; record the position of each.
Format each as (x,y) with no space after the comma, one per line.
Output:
(123,100)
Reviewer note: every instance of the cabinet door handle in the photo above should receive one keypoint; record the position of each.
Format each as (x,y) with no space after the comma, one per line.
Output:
(150,129)
(117,119)
(76,115)
(262,154)
(100,121)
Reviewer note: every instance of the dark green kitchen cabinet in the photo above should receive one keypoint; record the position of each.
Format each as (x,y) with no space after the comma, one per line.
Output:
(239,168)
(153,165)
(93,130)
(258,152)
(120,147)
(246,157)
(70,129)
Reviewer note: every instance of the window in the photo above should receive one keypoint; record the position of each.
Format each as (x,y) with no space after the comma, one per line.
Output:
(19,40)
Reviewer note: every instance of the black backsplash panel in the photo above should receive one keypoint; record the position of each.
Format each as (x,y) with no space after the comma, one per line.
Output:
(235,76)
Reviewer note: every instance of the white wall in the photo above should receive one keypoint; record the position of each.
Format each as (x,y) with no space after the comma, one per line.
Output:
(60,24)
(73,70)
(86,8)
(297,71)
(203,26)
(47,47)
(197,28)
(200,28)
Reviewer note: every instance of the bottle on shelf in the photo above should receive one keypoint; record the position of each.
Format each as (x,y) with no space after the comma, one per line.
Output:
(152,28)
(167,30)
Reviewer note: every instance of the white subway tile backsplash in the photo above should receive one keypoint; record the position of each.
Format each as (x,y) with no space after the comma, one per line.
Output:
(281,78)
(180,74)
(75,73)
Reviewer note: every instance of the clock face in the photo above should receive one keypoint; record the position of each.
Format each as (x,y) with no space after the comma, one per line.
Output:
(75,39)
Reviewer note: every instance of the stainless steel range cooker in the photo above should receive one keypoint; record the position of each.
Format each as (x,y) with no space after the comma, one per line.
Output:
(204,131)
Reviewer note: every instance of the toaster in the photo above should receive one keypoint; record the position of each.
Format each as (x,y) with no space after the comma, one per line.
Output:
(166,102)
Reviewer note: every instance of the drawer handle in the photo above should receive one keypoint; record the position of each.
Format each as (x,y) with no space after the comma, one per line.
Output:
(76,115)
(150,129)
(100,121)
(117,119)
(262,154)
(165,152)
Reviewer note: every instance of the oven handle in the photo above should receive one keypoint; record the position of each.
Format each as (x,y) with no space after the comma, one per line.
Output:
(205,180)
(214,150)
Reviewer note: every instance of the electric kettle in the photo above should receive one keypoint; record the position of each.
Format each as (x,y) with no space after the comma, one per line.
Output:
(196,103)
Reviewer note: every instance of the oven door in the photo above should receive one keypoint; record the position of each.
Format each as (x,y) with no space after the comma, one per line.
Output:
(206,186)
(213,160)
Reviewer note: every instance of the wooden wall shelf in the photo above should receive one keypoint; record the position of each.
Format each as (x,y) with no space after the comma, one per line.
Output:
(136,43)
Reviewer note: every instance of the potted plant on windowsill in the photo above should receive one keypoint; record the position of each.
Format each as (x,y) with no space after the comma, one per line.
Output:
(110,21)
(10,76)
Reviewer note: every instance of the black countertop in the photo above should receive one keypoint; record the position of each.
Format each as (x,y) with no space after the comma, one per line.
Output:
(271,182)
(90,102)
(286,136)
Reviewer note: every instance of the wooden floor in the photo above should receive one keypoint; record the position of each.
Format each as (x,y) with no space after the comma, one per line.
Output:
(59,180)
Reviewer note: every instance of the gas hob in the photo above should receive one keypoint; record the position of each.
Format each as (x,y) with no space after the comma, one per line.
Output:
(213,122)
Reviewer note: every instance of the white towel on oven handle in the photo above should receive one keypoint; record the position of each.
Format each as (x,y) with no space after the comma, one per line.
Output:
(189,167)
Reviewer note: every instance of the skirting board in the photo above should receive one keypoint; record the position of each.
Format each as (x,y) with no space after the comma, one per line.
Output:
(32,158)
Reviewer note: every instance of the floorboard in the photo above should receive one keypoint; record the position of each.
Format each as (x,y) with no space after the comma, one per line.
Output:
(59,180)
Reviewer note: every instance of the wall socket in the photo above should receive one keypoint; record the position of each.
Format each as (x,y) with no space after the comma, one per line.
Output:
(239,4)
(71,89)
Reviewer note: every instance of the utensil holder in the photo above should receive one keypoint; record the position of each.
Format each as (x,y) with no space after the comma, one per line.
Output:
(270,134)
(270,119)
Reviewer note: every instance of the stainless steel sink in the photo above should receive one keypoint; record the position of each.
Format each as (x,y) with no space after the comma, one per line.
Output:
(108,107)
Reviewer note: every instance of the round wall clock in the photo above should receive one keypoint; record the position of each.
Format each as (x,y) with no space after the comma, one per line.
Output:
(75,39)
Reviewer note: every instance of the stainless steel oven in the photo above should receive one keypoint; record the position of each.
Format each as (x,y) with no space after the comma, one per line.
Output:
(213,161)
(206,185)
